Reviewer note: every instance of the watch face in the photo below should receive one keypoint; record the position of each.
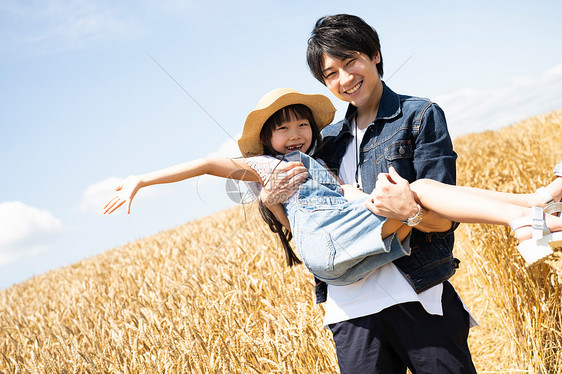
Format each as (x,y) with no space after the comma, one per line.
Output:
(415,220)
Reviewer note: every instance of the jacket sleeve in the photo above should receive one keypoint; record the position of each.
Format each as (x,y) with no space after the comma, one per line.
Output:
(434,157)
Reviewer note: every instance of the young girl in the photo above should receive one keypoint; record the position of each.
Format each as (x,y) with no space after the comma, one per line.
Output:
(337,237)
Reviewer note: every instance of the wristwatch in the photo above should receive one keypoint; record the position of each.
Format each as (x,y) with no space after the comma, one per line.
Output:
(416,219)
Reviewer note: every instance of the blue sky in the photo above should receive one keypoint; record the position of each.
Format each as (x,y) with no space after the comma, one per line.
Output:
(93,91)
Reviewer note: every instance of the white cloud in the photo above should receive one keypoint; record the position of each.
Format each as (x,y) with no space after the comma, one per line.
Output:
(228,148)
(25,230)
(98,194)
(476,110)
(556,70)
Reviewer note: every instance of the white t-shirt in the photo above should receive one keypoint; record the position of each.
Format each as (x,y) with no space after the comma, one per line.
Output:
(384,287)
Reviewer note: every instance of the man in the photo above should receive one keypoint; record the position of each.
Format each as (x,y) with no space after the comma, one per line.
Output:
(406,313)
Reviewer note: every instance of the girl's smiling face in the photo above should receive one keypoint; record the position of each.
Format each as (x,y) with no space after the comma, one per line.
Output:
(292,135)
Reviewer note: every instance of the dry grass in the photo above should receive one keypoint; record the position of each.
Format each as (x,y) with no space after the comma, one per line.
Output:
(214,295)
(519,307)
(209,296)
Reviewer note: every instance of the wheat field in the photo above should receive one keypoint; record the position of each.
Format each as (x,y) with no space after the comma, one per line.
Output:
(214,295)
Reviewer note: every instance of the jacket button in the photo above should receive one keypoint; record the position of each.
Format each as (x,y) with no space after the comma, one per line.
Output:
(402,151)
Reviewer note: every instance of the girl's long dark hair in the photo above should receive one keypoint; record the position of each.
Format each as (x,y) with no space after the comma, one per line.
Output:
(288,113)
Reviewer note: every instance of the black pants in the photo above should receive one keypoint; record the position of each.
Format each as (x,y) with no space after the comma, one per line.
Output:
(405,335)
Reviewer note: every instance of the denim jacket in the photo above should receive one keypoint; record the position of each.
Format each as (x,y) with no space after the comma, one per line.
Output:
(410,134)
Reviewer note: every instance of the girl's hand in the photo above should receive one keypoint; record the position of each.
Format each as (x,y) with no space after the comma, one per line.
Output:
(125,194)
(283,183)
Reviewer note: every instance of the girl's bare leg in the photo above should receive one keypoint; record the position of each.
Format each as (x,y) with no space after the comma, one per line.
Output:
(525,200)
(391,226)
(473,205)
(470,205)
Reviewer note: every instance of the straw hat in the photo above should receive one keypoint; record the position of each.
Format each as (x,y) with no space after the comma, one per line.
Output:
(322,110)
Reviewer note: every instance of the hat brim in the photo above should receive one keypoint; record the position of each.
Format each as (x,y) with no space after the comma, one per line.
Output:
(321,107)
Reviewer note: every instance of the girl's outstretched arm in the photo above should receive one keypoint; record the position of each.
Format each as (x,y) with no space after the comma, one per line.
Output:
(220,167)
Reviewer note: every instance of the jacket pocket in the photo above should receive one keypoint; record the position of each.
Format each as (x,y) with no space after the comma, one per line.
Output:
(399,150)
(399,154)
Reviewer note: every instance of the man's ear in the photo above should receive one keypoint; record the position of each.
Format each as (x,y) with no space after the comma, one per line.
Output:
(377,58)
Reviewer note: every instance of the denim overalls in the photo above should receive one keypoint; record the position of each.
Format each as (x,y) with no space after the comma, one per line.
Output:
(338,240)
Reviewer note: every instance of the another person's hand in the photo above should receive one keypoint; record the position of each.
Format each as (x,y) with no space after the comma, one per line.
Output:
(392,197)
(125,194)
(283,183)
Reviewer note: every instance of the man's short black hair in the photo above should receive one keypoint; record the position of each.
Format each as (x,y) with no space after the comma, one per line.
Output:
(339,36)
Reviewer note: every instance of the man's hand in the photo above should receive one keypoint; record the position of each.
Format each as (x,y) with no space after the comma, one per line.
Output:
(283,183)
(392,197)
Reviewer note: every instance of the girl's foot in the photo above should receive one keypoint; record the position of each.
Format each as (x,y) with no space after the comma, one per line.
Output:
(534,233)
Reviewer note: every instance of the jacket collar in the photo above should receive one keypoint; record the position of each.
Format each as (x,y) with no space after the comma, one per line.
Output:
(389,108)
